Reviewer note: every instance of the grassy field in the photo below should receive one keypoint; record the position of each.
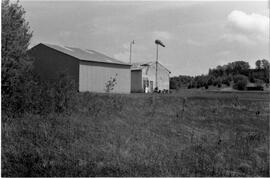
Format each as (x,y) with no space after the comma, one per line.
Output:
(188,133)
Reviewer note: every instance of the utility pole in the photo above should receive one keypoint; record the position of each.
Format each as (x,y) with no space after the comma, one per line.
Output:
(130,50)
(158,42)
(156,67)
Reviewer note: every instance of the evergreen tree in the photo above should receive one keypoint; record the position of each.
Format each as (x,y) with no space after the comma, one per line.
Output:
(16,37)
(258,64)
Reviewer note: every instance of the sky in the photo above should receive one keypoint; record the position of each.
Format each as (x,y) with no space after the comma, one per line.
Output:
(198,34)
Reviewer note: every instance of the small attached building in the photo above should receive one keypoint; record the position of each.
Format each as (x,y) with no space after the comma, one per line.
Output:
(90,70)
(143,77)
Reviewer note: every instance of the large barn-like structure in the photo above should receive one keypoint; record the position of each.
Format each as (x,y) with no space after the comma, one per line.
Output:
(91,70)
(143,77)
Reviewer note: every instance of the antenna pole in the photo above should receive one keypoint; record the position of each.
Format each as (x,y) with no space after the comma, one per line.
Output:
(130,50)
(157,68)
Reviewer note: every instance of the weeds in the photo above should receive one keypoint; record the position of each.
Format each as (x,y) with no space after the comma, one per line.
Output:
(109,85)
(106,136)
(44,97)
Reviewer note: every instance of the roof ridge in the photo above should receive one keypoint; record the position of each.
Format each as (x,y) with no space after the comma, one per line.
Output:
(108,56)
(141,63)
(84,54)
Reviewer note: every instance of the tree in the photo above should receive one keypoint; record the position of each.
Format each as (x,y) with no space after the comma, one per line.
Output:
(231,69)
(210,80)
(16,37)
(226,81)
(251,77)
(266,67)
(240,67)
(172,83)
(180,81)
(240,82)
(258,64)
(265,64)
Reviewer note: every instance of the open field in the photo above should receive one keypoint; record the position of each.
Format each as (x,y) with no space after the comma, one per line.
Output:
(189,133)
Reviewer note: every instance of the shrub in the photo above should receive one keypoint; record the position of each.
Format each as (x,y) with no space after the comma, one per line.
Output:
(44,97)
(63,93)
(191,85)
(210,80)
(109,85)
(251,77)
(240,82)
(217,82)
(226,81)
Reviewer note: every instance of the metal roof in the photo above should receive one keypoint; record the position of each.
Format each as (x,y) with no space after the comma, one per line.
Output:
(85,54)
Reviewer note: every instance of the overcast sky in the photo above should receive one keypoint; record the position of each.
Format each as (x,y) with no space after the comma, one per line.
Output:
(198,35)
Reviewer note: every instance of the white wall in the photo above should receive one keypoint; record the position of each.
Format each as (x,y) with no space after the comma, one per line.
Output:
(93,76)
(162,75)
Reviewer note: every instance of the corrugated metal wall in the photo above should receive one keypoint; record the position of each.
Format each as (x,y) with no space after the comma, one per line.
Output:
(48,63)
(93,77)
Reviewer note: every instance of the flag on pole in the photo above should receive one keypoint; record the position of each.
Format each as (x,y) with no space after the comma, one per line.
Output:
(159,43)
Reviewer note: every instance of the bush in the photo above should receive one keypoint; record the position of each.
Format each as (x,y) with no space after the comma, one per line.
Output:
(63,92)
(15,95)
(109,85)
(43,97)
(191,85)
(226,81)
(251,77)
(210,80)
(240,82)
(217,82)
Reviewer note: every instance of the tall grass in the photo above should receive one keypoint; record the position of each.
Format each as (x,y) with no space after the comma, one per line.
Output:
(120,135)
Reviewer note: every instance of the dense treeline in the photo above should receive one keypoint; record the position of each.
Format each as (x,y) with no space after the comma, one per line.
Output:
(238,74)
(180,81)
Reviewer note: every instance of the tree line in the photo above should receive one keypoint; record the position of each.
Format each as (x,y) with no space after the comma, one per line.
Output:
(236,74)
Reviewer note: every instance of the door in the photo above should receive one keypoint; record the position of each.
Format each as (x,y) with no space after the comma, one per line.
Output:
(151,86)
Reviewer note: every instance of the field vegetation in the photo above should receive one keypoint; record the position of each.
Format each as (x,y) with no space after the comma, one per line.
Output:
(49,129)
(201,134)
